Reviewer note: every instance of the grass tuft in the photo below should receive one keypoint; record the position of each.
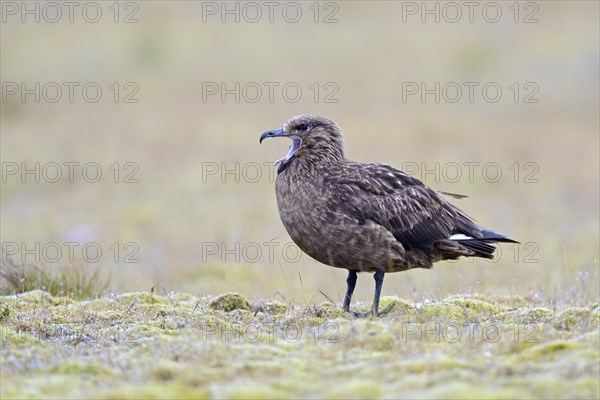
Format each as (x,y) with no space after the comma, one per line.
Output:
(76,281)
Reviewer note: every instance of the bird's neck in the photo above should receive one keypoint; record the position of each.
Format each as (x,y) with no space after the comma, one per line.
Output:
(323,151)
(315,162)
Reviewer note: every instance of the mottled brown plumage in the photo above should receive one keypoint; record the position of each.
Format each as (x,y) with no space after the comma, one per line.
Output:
(365,217)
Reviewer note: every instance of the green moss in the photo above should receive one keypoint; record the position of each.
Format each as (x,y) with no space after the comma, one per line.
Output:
(473,391)
(271,308)
(573,318)
(394,305)
(380,340)
(327,311)
(142,298)
(160,390)
(444,312)
(431,364)
(509,301)
(4,314)
(535,315)
(263,367)
(355,389)
(470,296)
(477,306)
(253,391)
(595,313)
(362,333)
(183,298)
(551,350)
(166,371)
(78,368)
(38,297)
(229,301)
(11,337)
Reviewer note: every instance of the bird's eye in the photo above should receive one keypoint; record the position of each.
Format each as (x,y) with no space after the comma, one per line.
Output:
(303,127)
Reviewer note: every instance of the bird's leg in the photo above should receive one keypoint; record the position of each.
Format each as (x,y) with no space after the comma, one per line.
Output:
(378,284)
(351,281)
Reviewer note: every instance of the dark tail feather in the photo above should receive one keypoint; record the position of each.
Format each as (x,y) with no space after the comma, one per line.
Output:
(480,248)
(492,237)
(480,245)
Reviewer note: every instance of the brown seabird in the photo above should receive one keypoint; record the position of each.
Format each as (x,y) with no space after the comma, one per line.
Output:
(365,216)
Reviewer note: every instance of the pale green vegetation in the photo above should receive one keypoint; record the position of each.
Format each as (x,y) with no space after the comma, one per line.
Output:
(122,325)
(76,281)
(179,345)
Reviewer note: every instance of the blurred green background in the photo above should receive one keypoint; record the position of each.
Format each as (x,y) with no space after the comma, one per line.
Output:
(190,225)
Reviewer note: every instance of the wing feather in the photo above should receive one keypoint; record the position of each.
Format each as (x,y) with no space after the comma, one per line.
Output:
(416,215)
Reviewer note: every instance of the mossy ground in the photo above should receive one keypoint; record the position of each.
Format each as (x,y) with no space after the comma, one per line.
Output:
(180,346)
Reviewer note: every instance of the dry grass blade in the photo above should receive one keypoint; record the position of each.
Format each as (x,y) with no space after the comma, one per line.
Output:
(73,280)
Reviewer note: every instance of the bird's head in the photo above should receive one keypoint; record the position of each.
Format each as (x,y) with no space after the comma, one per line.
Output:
(314,138)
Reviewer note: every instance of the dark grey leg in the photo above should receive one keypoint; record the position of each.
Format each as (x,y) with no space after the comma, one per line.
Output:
(378,284)
(351,282)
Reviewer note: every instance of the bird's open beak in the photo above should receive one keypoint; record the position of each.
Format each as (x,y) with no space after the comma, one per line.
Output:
(274,133)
